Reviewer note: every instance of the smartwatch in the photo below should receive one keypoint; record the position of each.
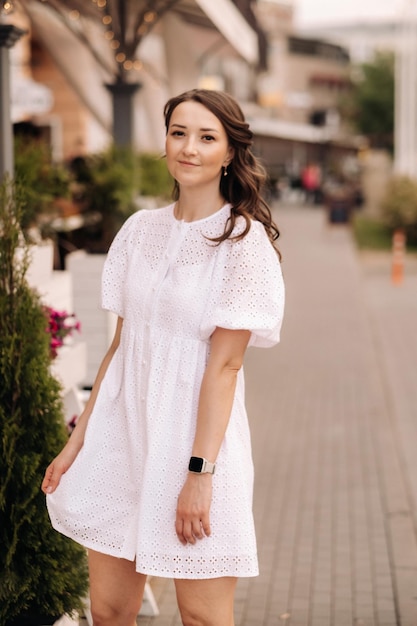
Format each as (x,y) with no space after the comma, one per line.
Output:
(199,465)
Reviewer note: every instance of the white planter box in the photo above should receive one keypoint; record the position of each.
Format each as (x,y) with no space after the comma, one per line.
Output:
(69,367)
(57,291)
(41,264)
(54,287)
(97,325)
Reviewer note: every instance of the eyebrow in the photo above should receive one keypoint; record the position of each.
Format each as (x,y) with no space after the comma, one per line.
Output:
(205,130)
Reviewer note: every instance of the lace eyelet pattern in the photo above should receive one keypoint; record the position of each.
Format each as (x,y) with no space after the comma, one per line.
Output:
(173,287)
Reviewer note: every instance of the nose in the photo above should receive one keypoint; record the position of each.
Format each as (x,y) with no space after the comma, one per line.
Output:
(190,145)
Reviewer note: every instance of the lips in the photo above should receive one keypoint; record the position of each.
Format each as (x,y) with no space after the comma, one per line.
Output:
(188,163)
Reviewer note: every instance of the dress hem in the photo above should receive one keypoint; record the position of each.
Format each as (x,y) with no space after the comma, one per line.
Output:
(149,571)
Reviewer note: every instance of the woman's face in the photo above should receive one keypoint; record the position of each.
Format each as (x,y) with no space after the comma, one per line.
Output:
(196,146)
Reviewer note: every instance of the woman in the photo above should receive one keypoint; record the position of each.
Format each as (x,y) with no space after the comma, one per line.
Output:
(193,284)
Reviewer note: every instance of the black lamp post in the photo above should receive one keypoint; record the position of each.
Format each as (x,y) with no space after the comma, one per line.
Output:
(123,111)
(9,34)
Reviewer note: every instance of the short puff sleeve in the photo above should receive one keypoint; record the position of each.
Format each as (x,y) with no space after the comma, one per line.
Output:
(115,268)
(248,289)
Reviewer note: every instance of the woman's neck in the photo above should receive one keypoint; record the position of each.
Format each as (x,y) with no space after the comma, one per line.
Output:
(196,206)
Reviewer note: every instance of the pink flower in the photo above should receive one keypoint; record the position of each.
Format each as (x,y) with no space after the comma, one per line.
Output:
(72,423)
(60,325)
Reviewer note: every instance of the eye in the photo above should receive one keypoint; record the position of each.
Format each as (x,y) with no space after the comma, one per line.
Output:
(177,133)
(208,138)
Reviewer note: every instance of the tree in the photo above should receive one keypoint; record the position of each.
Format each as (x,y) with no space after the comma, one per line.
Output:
(42,573)
(370,106)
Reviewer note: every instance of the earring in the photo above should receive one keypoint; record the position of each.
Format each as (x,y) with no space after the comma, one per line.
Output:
(225,170)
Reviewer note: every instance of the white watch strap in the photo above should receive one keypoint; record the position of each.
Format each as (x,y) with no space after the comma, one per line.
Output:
(208,468)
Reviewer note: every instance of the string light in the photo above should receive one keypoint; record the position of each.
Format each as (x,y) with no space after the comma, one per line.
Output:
(6,7)
(150,16)
(127,64)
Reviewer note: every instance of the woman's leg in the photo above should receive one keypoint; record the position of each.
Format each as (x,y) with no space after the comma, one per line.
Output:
(116,590)
(207,602)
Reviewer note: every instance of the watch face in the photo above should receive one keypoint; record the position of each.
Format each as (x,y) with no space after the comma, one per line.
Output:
(196,464)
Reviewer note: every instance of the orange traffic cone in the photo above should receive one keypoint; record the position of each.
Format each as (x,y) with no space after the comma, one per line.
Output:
(398,257)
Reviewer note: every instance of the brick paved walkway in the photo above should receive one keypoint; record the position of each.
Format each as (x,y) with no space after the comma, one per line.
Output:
(334,425)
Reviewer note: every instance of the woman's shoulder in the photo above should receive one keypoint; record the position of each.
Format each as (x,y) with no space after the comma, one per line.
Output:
(255,229)
(254,243)
(146,218)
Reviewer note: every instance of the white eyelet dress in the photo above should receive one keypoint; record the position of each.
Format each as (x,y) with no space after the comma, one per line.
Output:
(173,287)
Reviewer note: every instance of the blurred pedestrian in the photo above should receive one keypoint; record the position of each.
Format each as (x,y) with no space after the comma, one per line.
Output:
(311,181)
(193,284)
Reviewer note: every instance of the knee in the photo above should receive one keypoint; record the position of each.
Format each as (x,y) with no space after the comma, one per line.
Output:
(106,615)
(189,618)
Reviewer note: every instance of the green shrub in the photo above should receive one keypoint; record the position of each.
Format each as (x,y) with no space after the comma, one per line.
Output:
(370,233)
(106,185)
(155,180)
(41,181)
(399,206)
(110,183)
(41,571)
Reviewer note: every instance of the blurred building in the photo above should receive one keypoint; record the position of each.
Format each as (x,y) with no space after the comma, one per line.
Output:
(305,75)
(297,119)
(72,50)
(361,38)
(288,85)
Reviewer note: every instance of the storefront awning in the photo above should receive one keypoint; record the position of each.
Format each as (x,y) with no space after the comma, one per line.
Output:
(232,25)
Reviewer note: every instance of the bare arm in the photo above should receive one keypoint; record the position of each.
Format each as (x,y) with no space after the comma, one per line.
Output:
(227,349)
(66,457)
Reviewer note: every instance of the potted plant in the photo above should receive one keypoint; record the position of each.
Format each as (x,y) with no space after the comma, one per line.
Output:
(112,184)
(42,574)
(46,185)
(107,185)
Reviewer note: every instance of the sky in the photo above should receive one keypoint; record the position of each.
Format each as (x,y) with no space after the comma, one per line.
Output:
(318,12)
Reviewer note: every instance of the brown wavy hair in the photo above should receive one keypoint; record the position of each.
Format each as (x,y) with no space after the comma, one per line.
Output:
(245,175)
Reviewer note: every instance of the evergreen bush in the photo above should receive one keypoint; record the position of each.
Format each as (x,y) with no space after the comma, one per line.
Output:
(41,571)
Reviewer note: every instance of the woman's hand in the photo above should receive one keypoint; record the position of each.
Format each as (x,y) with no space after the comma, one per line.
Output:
(57,468)
(193,508)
